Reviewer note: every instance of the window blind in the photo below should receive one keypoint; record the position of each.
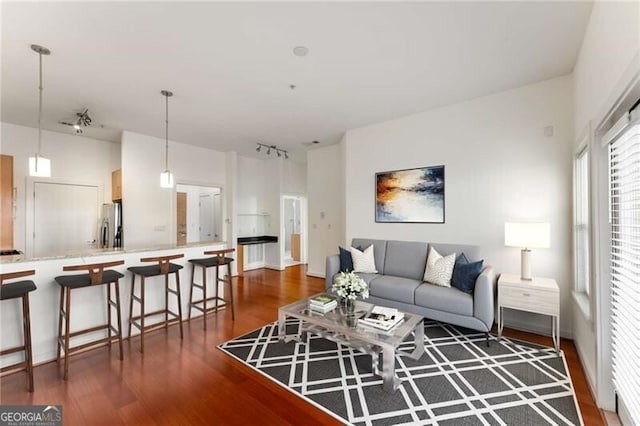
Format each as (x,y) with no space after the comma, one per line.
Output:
(624,179)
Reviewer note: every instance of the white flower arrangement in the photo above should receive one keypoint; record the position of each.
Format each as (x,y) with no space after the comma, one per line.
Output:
(349,285)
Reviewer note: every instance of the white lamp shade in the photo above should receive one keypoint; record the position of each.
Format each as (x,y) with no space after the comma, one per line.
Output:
(166,179)
(39,166)
(527,234)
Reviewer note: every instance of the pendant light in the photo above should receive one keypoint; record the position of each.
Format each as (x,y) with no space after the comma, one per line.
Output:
(166,177)
(38,165)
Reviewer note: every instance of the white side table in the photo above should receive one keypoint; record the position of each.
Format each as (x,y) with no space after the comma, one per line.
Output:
(539,295)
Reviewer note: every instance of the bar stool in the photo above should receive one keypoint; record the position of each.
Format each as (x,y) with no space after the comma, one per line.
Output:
(96,275)
(218,261)
(14,290)
(163,267)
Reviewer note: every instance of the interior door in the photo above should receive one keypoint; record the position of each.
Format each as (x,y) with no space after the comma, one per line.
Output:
(65,217)
(206,217)
(181,217)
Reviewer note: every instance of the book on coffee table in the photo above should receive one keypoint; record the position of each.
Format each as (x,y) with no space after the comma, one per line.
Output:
(322,304)
(322,300)
(382,318)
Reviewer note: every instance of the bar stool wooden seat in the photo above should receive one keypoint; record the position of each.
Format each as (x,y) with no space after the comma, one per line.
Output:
(96,275)
(163,267)
(218,261)
(15,290)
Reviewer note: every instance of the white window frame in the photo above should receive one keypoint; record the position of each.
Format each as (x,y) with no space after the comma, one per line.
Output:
(582,258)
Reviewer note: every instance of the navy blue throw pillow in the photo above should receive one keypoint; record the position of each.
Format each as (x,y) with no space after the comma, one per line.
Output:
(346,262)
(465,274)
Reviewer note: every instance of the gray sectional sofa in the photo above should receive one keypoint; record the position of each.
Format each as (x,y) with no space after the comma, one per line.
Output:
(398,283)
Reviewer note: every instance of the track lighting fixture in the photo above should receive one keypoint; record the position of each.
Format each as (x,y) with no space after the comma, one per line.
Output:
(278,151)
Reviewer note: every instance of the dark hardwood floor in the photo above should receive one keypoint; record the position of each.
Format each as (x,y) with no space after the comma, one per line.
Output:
(181,382)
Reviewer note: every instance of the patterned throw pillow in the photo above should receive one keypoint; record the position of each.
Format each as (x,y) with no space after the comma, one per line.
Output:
(439,269)
(363,261)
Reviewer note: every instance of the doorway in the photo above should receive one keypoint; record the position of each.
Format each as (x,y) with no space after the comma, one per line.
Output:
(198,213)
(293,229)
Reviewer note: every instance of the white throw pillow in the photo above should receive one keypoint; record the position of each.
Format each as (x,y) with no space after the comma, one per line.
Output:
(363,261)
(439,269)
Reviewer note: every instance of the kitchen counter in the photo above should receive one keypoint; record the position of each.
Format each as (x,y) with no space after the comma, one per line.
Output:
(102,251)
(89,307)
(263,239)
(246,241)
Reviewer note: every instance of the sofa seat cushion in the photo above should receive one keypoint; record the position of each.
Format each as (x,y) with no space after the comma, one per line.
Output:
(447,299)
(367,277)
(394,288)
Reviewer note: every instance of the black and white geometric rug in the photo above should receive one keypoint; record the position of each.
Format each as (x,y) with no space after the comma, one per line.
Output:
(458,381)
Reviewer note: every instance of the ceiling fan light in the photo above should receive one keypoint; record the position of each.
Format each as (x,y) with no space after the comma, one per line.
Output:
(39,166)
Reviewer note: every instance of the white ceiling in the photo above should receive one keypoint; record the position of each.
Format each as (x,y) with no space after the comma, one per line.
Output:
(230,65)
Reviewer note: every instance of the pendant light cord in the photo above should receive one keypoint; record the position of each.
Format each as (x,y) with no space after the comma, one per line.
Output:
(40,108)
(166,133)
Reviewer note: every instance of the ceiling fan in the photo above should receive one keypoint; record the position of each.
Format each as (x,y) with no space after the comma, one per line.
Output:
(81,120)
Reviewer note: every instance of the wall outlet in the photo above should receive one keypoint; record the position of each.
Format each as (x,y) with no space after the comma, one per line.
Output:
(159,228)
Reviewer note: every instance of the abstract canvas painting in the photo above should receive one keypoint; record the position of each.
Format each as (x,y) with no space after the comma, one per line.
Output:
(413,195)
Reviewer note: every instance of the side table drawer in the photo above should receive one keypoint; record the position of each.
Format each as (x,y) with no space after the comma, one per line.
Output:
(532,300)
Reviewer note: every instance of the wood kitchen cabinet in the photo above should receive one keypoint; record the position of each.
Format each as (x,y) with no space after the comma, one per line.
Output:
(116,185)
(295,247)
(6,202)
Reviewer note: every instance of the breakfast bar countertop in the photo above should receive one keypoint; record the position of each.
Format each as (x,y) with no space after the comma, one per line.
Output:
(16,258)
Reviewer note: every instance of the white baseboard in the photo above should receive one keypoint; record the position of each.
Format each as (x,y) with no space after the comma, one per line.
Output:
(590,375)
(275,267)
(535,328)
(315,274)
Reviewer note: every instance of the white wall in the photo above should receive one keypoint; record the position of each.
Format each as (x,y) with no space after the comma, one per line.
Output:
(250,185)
(73,157)
(499,167)
(294,178)
(608,59)
(149,211)
(273,184)
(326,205)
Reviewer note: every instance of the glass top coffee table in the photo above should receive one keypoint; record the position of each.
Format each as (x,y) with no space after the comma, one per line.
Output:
(342,327)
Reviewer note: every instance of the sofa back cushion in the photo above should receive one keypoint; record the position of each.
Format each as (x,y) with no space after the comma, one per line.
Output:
(379,250)
(406,259)
(471,252)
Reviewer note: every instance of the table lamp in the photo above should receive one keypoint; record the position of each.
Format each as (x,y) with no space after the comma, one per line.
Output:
(527,235)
